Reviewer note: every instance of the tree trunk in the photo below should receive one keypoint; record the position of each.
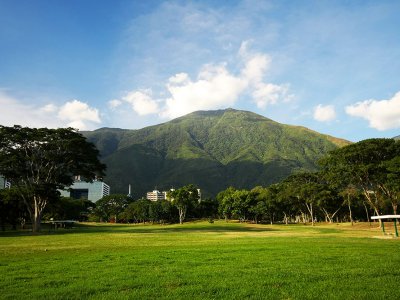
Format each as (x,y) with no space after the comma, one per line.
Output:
(327,217)
(285,218)
(36,219)
(310,209)
(350,212)
(374,207)
(36,216)
(182,213)
(366,211)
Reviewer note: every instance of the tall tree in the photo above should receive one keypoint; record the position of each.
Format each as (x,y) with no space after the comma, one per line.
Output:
(390,185)
(225,200)
(308,189)
(183,198)
(12,208)
(110,206)
(349,193)
(38,161)
(240,205)
(363,165)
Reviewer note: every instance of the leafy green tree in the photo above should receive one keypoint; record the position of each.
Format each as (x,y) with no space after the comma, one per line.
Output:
(12,208)
(364,165)
(286,202)
(69,209)
(329,202)
(306,187)
(141,210)
(168,211)
(183,198)
(38,161)
(270,197)
(154,211)
(225,200)
(390,185)
(240,205)
(258,210)
(348,194)
(109,207)
(257,200)
(207,208)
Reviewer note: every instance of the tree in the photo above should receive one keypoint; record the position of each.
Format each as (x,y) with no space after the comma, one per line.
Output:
(38,161)
(390,185)
(307,188)
(349,193)
(12,208)
(260,203)
(364,165)
(207,208)
(111,206)
(240,206)
(69,209)
(182,198)
(329,202)
(225,200)
(286,201)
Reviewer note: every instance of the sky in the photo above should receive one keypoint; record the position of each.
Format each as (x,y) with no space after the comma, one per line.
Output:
(331,66)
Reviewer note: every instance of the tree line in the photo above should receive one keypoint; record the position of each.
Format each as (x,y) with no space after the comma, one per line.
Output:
(352,183)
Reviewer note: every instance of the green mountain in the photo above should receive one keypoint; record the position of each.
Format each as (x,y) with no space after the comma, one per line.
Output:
(212,149)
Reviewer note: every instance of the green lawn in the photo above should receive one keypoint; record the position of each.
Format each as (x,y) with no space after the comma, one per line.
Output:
(201,261)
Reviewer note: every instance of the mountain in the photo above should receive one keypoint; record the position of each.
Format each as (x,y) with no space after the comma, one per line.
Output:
(212,149)
(397,137)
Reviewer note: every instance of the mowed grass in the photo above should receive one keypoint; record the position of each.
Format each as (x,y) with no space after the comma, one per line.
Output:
(200,260)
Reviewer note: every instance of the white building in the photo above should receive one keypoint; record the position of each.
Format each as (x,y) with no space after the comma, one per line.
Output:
(4,184)
(92,191)
(156,195)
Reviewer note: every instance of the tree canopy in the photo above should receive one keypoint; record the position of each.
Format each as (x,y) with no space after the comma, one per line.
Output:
(38,161)
(183,198)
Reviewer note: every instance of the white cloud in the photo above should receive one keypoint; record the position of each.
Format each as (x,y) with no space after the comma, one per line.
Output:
(324,113)
(381,114)
(267,94)
(73,113)
(49,108)
(179,78)
(76,113)
(214,87)
(113,104)
(141,102)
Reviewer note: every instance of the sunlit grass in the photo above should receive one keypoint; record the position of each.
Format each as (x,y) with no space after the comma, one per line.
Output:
(200,260)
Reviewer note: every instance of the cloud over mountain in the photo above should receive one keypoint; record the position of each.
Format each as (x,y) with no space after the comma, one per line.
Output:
(74,113)
(324,113)
(215,86)
(381,114)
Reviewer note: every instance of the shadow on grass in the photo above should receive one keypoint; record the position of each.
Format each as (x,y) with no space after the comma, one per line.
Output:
(140,228)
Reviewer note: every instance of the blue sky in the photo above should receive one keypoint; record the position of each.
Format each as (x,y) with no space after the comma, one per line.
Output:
(331,66)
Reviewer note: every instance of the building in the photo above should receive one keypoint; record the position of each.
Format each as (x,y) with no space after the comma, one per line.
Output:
(92,191)
(4,184)
(156,195)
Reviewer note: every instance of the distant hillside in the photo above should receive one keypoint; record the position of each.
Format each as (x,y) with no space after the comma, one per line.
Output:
(397,137)
(212,149)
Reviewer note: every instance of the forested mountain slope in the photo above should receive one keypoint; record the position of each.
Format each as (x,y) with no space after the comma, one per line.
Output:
(212,149)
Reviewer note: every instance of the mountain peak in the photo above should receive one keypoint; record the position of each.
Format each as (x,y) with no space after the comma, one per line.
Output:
(228,112)
(212,149)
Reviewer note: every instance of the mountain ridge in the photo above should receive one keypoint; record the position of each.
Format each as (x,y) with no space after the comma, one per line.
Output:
(212,149)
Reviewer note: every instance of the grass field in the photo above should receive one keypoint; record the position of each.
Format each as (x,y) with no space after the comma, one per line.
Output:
(201,261)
